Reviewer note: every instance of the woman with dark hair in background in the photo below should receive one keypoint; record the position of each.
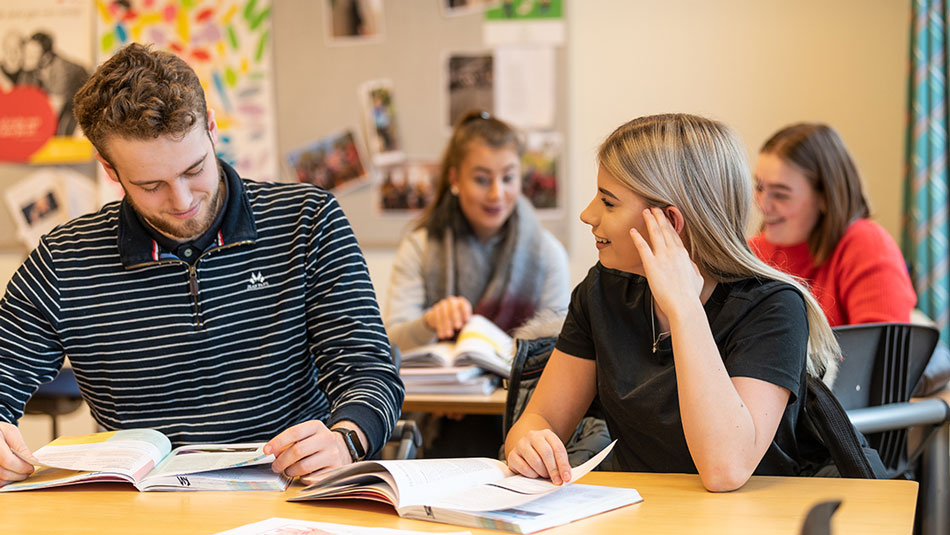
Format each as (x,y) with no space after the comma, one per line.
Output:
(816,226)
(478,249)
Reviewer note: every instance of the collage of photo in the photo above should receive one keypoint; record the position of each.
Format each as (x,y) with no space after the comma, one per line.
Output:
(372,154)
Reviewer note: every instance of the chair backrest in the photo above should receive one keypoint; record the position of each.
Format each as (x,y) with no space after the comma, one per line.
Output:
(881,363)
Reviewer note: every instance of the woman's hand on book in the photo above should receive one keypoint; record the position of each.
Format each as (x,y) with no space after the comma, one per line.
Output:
(307,449)
(540,453)
(448,316)
(16,459)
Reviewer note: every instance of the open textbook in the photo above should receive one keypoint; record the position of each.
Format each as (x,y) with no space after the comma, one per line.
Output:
(144,457)
(479,343)
(477,492)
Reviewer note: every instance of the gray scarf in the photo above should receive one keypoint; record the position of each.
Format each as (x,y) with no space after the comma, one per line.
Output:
(514,288)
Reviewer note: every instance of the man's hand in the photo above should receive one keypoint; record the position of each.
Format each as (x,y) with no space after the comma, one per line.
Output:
(310,449)
(16,460)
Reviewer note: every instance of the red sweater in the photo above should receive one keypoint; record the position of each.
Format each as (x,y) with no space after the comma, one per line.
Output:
(864,281)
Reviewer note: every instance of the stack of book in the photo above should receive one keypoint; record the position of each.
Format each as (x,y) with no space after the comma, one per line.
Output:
(473,364)
(448,380)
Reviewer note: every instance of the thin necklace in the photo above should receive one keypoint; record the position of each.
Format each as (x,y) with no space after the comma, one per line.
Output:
(656,339)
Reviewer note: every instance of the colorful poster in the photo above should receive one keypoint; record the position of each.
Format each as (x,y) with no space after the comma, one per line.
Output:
(453,8)
(228,44)
(333,163)
(539,22)
(45,57)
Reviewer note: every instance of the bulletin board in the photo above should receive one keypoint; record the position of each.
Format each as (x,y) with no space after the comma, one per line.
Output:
(320,82)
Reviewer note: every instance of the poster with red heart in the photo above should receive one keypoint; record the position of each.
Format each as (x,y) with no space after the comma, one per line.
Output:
(46,55)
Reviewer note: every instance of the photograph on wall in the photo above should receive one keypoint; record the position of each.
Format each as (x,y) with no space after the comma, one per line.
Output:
(350,22)
(470,84)
(47,197)
(539,169)
(454,8)
(228,44)
(45,57)
(379,122)
(407,187)
(333,163)
(539,22)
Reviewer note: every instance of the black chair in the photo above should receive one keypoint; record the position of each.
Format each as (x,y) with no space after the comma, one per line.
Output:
(56,398)
(406,435)
(881,364)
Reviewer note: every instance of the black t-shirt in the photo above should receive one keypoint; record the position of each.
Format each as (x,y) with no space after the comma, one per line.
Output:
(761,330)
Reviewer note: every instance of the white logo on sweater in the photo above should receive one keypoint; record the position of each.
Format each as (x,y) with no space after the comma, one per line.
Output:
(256,281)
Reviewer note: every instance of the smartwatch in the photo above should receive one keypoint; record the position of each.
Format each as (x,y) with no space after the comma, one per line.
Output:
(352,441)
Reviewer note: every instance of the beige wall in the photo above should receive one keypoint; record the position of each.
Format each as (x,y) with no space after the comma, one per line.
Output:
(754,64)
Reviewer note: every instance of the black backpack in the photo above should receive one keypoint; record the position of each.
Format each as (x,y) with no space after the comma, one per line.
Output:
(846,447)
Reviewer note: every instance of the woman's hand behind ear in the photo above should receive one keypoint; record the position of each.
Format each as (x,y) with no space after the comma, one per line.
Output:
(672,275)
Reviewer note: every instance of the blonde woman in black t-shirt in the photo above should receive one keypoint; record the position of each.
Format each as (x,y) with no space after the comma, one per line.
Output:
(696,349)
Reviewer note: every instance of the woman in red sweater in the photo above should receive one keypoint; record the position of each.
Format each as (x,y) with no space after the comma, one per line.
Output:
(815,226)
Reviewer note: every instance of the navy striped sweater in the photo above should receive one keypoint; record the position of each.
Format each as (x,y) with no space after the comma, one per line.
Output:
(277,323)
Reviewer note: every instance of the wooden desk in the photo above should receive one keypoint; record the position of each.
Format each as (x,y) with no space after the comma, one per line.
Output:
(493,403)
(673,503)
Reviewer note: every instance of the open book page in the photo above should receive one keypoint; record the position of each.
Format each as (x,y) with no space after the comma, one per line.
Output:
(287,526)
(513,491)
(436,355)
(205,457)
(130,452)
(484,344)
(421,481)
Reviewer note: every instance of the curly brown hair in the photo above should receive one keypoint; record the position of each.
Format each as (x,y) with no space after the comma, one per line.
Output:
(140,93)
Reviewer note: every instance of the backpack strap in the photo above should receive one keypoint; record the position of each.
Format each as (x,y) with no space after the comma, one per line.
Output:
(849,450)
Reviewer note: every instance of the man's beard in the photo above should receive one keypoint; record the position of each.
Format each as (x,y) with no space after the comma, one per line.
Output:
(192,228)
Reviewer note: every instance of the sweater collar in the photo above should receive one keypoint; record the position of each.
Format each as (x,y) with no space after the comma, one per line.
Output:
(136,245)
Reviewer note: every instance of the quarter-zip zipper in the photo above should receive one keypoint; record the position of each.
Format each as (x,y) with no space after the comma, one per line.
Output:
(193,274)
(193,289)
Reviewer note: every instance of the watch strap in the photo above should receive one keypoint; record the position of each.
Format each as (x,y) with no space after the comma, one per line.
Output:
(352,441)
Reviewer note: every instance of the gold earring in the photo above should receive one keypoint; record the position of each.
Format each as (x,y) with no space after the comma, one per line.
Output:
(454,190)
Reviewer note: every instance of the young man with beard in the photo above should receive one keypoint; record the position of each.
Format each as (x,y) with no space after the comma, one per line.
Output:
(212,308)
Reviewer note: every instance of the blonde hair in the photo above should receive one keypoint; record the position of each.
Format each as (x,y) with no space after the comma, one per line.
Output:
(699,166)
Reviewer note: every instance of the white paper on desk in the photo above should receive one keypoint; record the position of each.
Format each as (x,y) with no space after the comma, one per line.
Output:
(287,526)
(514,491)
(524,86)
